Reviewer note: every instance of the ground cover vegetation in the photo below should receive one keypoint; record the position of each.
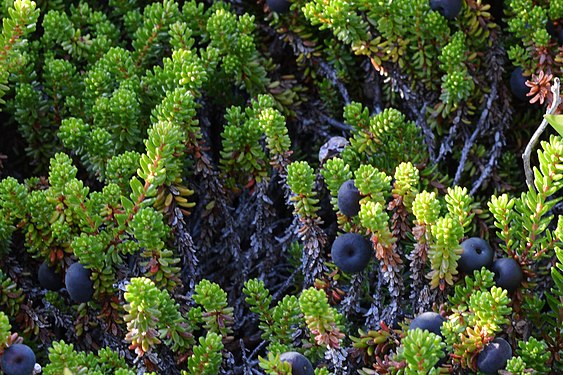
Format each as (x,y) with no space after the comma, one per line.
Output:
(281,187)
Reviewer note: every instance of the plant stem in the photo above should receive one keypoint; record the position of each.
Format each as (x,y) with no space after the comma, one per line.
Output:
(534,140)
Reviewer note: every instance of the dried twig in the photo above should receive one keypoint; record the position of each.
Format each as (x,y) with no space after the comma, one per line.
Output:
(534,140)
(330,74)
(417,105)
(447,143)
(337,124)
(479,129)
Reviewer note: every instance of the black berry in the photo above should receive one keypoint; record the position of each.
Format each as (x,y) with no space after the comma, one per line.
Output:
(494,356)
(78,283)
(430,321)
(508,274)
(349,198)
(18,359)
(278,6)
(447,8)
(556,31)
(351,252)
(477,253)
(518,84)
(48,278)
(300,365)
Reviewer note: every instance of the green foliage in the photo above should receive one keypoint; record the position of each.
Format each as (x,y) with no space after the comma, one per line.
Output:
(64,358)
(426,207)
(321,319)
(421,350)
(274,366)
(534,355)
(335,172)
(277,323)
(459,204)
(444,252)
(207,356)
(233,39)
(153,316)
(217,316)
(21,21)
(478,312)
(387,133)
(4,329)
(407,179)
(132,111)
(375,219)
(243,158)
(301,179)
(11,296)
(149,39)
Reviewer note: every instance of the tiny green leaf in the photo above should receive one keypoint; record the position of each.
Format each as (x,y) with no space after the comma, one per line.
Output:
(556,121)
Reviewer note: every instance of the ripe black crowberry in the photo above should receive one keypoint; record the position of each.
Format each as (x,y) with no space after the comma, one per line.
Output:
(508,274)
(300,365)
(78,283)
(447,8)
(48,278)
(494,356)
(477,253)
(18,359)
(351,252)
(349,198)
(278,6)
(430,321)
(518,84)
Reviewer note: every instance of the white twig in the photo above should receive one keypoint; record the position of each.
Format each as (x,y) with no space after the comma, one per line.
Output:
(534,140)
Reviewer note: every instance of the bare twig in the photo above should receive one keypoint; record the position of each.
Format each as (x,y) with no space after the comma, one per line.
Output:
(483,119)
(329,72)
(417,105)
(325,69)
(534,140)
(337,124)
(495,153)
(446,146)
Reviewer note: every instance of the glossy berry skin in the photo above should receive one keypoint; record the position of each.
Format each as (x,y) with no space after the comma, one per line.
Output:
(300,365)
(477,253)
(447,8)
(508,274)
(555,31)
(18,359)
(430,321)
(349,198)
(278,6)
(497,11)
(494,356)
(351,252)
(78,283)
(48,278)
(518,85)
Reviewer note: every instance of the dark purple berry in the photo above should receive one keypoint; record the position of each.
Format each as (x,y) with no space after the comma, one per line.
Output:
(349,198)
(351,252)
(78,283)
(447,8)
(300,365)
(494,356)
(430,321)
(518,84)
(18,359)
(556,31)
(48,278)
(508,274)
(278,6)
(497,11)
(477,253)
